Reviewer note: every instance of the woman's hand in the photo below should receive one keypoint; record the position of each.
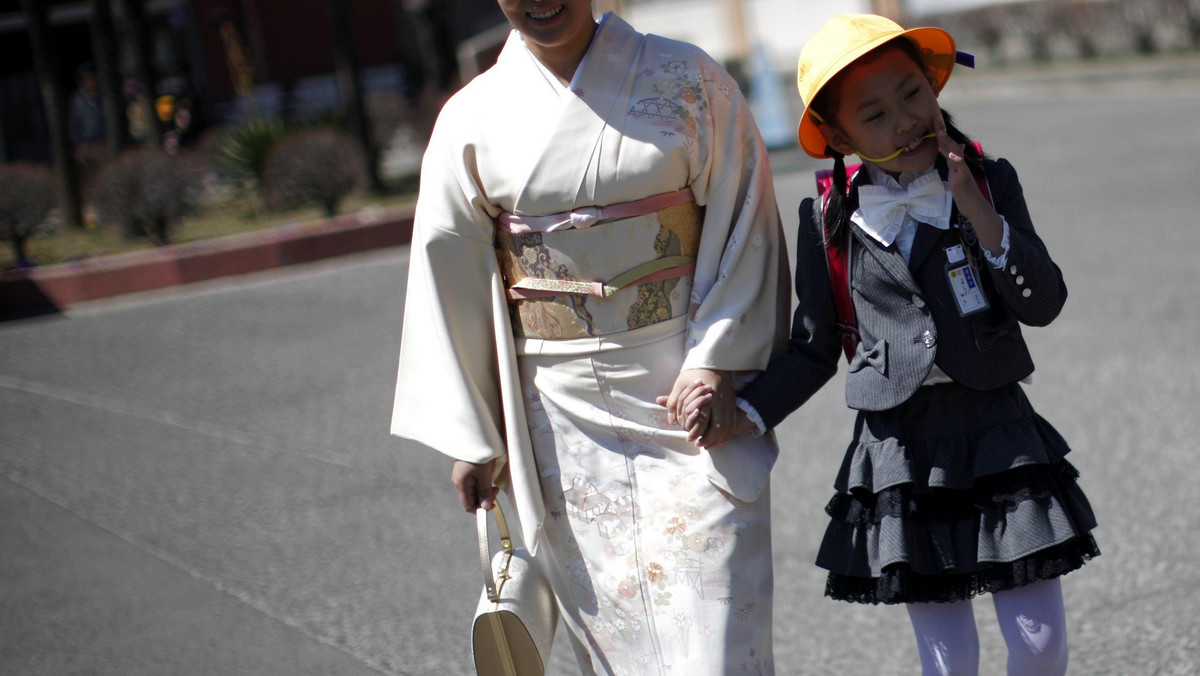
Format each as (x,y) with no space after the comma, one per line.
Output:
(473,483)
(709,436)
(971,202)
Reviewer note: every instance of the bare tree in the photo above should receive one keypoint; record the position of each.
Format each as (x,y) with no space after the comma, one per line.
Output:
(1186,12)
(349,79)
(1079,21)
(1140,19)
(146,191)
(54,100)
(27,196)
(316,166)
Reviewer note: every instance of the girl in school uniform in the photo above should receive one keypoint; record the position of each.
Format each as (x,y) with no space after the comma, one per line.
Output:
(953,485)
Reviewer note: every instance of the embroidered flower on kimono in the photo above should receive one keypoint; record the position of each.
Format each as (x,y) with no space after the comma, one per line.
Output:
(744,613)
(690,513)
(627,589)
(655,572)
(682,620)
(682,490)
(696,542)
(676,526)
(648,72)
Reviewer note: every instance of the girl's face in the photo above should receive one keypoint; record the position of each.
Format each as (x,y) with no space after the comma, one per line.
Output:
(552,25)
(886,104)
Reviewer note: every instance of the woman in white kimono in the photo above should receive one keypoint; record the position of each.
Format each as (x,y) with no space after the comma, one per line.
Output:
(596,226)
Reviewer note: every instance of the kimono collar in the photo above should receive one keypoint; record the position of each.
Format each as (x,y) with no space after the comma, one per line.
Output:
(563,172)
(551,78)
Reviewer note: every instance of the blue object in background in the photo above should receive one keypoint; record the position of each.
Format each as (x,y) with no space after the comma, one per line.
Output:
(769,103)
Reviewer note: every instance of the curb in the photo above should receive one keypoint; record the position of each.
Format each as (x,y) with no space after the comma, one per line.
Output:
(44,290)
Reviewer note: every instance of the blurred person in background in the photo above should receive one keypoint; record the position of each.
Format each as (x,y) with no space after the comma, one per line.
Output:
(86,110)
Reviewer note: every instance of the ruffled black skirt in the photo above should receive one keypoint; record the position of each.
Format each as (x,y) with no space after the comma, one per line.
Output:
(952,494)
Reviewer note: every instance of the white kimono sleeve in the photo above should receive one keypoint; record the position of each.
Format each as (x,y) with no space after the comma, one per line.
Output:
(448,386)
(740,298)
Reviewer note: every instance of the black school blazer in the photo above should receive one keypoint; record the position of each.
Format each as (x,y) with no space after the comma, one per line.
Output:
(907,316)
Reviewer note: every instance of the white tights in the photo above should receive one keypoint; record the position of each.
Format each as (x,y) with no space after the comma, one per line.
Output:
(1032,621)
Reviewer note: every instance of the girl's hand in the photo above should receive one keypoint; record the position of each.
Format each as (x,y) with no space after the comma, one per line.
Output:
(699,387)
(970,201)
(473,483)
(962,184)
(697,410)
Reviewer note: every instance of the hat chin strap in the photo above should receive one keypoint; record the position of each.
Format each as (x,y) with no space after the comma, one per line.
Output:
(877,160)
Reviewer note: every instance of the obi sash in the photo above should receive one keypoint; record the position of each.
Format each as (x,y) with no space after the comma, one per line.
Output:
(600,270)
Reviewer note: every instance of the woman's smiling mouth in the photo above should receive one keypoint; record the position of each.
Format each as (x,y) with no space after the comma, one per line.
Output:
(547,14)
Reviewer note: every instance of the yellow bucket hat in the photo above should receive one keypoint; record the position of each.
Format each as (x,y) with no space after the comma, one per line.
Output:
(843,40)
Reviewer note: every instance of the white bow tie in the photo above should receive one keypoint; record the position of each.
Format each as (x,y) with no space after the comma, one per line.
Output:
(882,209)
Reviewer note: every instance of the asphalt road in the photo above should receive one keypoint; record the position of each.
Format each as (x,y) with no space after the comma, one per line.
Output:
(200,481)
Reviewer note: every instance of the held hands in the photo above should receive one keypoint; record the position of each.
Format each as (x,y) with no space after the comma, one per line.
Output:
(971,202)
(473,483)
(703,403)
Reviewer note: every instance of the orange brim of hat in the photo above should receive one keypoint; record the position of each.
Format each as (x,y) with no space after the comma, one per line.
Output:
(837,52)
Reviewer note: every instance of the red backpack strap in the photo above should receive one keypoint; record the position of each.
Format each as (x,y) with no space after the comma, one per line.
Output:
(980,179)
(837,261)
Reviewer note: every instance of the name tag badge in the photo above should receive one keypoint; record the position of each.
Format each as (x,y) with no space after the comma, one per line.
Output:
(964,283)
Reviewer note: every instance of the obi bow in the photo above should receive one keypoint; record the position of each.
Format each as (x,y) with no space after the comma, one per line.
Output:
(882,209)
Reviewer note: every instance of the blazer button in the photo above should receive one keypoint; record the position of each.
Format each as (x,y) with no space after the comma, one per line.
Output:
(929,339)
(1019,280)
(1027,293)
(1012,269)
(918,301)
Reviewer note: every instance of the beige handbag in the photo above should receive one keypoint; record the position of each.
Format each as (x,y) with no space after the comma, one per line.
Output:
(517,614)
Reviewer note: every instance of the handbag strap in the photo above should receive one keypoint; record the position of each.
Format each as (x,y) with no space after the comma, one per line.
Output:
(492,585)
